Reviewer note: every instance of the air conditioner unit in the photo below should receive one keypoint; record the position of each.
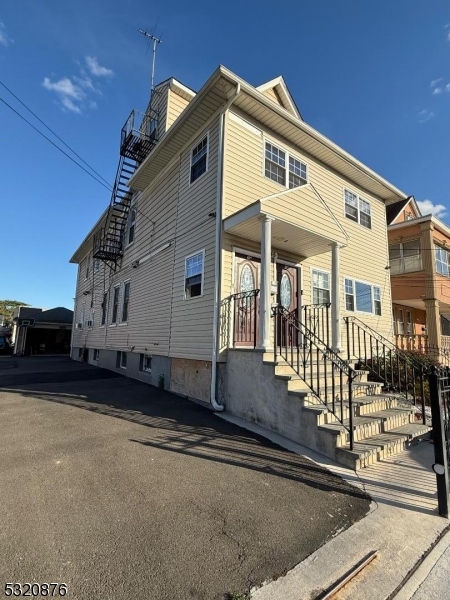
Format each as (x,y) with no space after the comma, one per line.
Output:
(79,326)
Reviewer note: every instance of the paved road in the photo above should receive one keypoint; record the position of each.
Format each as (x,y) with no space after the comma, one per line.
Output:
(124,491)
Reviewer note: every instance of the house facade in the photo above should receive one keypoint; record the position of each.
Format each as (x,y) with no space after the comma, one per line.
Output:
(236,205)
(419,249)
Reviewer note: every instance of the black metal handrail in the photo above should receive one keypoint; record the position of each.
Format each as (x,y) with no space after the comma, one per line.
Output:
(387,363)
(316,317)
(240,312)
(305,352)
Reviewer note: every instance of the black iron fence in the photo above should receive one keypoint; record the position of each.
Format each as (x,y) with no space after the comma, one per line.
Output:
(239,319)
(439,381)
(329,377)
(316,317)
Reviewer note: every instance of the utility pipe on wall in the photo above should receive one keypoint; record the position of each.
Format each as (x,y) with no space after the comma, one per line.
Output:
(218,247)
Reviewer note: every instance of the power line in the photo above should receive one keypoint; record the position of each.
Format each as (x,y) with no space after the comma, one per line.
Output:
(51,131)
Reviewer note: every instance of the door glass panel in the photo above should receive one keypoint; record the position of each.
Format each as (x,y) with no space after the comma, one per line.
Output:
(247,279)
(285,291)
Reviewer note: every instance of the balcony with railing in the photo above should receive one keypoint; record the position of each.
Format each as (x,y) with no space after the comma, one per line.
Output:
(405,257)
(139,135)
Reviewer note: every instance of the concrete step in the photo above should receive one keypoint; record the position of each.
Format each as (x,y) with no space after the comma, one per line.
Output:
(286,369)
(382,445)
(367,426)
(365,388)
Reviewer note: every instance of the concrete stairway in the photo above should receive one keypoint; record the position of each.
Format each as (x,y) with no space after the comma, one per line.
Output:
(383,423)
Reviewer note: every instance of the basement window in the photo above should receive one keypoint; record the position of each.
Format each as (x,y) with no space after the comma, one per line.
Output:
(199,159)
(194,275)
(146,363)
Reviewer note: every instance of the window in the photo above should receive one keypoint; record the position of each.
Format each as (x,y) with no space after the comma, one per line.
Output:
(199,159)
(399,323)
(442,261)
(320,287)
(362,297)
(115,305)
(87,267)
(121,360)
(275,164)
(405,257)
(357,209)
(96,354)
(96,265)
(275,167)
(131,225)
(408,323)
(126,301)
(194,275)
(146,363)
(104,307)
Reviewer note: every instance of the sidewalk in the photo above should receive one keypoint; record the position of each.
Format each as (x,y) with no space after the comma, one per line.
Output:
(403,524)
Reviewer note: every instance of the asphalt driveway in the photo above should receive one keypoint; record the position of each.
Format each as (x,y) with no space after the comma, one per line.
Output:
(124,491)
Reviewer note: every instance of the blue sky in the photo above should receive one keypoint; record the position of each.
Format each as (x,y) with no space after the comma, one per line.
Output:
(372,76)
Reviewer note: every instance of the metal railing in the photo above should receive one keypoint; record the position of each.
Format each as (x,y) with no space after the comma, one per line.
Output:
(316,318)
(239,319)
(400,372)
(327,375)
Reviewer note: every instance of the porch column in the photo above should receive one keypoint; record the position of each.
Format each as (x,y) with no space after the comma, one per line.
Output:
(335,300)
(433,321)
(264,300)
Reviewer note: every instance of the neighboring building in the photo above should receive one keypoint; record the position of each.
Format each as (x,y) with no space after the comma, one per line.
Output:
(419,250)
(42,331)
(237,203)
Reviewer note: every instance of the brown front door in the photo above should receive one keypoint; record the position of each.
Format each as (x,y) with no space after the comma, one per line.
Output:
(246,303)
(288,299)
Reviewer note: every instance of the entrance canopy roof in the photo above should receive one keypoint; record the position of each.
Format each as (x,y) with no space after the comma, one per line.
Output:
(303,223)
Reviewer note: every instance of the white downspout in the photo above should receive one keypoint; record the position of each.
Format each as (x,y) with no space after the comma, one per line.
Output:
(217,270)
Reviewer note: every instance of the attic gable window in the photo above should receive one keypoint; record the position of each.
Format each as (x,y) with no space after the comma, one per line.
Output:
(199,159)
(281,167)
(357,209)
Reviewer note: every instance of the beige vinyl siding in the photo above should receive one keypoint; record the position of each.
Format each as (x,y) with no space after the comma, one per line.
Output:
(272,94)
(366,254)
(176,105)
(192,319)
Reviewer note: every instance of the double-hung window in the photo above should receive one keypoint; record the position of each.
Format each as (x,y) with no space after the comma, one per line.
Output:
(405,257)
(283,168)
(115,305)
(442,261)
(362,297)
(87,267)
(131,225)
(126,301)
(357,209)
(194,275)
(320,287)
(199,159)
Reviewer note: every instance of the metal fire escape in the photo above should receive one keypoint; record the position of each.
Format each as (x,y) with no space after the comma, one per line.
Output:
(138,136)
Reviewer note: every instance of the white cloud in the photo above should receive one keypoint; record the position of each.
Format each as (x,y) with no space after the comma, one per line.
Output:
(96,69)
(75,93)
(65,88)
(425,115)
(427,207)
(447,87)
(437,90)
(435,82)
(5,40)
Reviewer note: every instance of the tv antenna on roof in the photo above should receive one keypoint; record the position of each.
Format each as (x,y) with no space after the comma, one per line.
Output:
(152,38)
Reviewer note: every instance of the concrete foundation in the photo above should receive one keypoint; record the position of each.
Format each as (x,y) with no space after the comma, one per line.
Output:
(191,378)
(254,394)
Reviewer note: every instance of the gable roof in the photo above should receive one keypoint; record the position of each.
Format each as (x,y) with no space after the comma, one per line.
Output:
(393,210)
(282,91)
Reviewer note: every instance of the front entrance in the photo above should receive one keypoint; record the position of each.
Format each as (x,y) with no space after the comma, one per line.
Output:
(247,271)
(246,300)
(288,298)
